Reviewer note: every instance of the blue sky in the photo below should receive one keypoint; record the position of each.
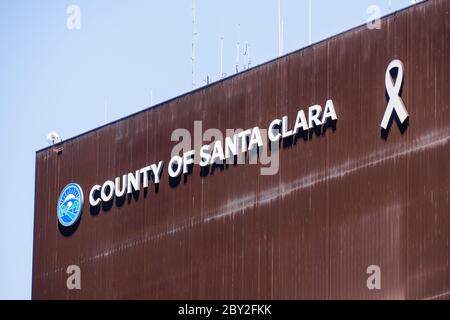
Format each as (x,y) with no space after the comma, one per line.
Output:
(53,78)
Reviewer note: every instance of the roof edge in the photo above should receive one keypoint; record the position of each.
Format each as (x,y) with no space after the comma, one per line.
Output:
(394,13)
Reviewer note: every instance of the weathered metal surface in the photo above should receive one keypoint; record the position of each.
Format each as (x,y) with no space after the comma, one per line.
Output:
(340,202)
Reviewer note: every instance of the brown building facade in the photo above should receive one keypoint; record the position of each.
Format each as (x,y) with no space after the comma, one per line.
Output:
(348,197)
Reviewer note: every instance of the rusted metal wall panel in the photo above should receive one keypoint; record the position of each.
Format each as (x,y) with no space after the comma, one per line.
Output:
(340,202)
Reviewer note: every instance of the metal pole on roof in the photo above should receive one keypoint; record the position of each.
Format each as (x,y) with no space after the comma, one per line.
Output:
(194,34)
(310,21)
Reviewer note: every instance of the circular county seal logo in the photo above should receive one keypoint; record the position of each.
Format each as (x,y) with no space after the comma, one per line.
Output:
(70,204)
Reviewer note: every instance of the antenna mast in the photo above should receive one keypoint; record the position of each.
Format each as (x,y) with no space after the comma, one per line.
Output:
(194,34)
(247,56)
(310,23)
(280,31)
(238,48)
(221,58)
(279,27)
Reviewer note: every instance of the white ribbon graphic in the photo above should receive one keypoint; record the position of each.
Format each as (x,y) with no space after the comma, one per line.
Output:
(393,91)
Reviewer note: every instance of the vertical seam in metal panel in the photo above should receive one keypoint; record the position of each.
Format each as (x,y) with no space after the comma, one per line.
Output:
(407,157)
(328,275)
